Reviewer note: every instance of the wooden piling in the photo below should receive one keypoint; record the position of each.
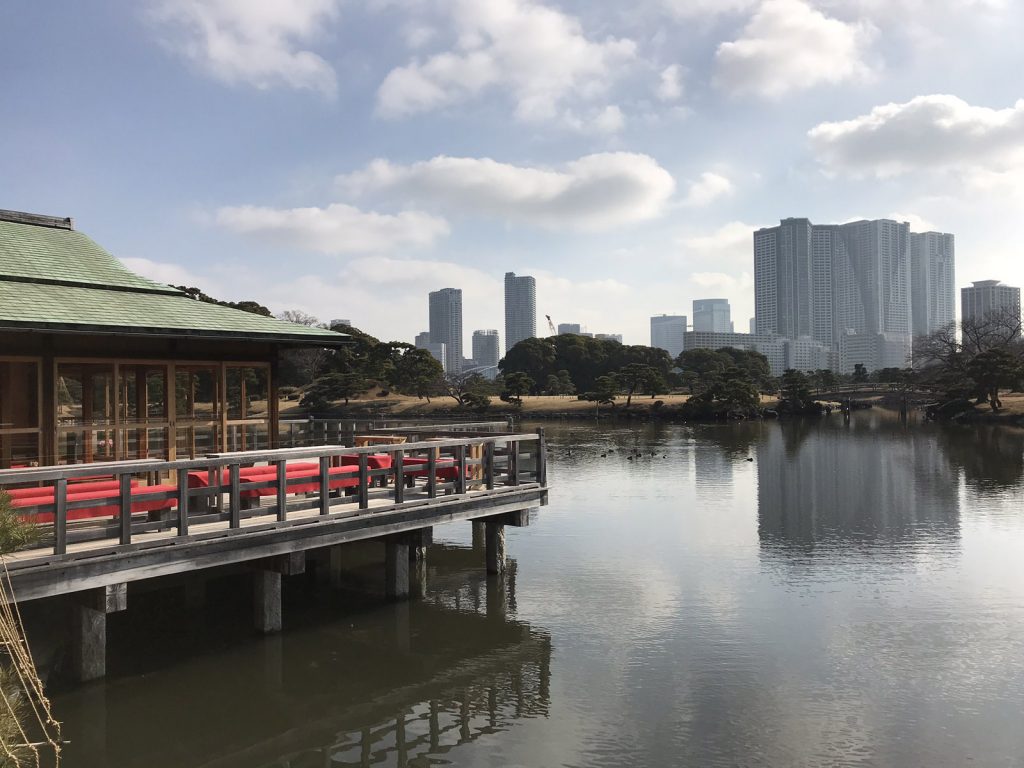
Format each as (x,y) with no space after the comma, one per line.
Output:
(266,595)
(89,629)
(396,568)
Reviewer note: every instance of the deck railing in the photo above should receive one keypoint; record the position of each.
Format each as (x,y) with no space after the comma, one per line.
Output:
(246,491)
(296,433)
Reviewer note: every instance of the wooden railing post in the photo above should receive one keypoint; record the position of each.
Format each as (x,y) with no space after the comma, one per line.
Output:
(234,496)
(513,462)
(432,474)
(125,481)
(542,458)
(364,481)
(282,490)
(60,516)
(183,502)
(489,465)
(325,485)
(398,462)
(460,468)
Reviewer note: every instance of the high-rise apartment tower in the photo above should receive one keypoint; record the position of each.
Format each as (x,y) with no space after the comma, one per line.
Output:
(446,326)
(712,316)
(520,309)
(486,348)
(668,332)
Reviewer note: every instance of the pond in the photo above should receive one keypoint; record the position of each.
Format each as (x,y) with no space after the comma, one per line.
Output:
(770,594)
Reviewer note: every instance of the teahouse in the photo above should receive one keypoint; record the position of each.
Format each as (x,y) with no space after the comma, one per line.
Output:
(98,363)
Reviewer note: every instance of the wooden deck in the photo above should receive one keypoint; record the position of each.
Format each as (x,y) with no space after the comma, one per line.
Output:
(494,476)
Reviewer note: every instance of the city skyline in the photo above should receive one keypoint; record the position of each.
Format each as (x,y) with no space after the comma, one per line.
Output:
(620,160)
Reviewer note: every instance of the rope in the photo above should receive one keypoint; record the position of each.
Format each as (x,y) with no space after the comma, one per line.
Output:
(29,694)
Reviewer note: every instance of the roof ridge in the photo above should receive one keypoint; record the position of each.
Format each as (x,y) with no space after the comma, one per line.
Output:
(37,219)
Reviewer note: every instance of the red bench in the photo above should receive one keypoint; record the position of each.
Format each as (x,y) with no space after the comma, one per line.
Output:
(28,498)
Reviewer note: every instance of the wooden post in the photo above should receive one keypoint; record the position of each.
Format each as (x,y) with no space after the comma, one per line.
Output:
(89,629)
(513,463)
(126,508)
(396,568)
(542,458)
(398,462)
(460,469)
(364,481)
(234,501)
(183,502)
(478,533)
(495,535)
(325,485)
(60,516)
(489,465)
(267,600)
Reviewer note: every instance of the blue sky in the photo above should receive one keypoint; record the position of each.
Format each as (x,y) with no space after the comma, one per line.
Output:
(347,158)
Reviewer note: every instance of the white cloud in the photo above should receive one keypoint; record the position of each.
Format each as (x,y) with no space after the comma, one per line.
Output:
(928,133)
(708,188)
(609,120)
(336,229)
(595,192)
(790,46)
(700,8)
(171,274)
(917,223)
(539,54)
(670,85)
(253,43)
(730,244)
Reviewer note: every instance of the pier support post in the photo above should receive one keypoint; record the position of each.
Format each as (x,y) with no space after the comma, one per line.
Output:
(396,568)
(495,535)
(266,595)
(89,629)
(478,533)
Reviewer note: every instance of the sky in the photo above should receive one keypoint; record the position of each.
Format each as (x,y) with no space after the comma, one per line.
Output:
(345,158)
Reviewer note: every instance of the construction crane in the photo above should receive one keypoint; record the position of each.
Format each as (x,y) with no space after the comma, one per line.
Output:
(551,326)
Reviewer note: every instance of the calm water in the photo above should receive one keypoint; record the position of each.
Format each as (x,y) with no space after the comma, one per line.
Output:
(851,596)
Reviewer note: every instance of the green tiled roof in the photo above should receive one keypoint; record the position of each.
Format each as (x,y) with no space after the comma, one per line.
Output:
(58,279)
(50,253)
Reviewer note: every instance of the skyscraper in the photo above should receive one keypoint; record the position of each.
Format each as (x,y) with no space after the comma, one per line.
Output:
(712,315)
(436,350)
(446,326)
(986,297)
(668,332)
(847,286)
(520,309)
(486,348)
(933,278)
(569,328)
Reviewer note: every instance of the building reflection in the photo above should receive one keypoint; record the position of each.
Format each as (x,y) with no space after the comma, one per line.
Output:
(990,456)
(402,685)
(871,483)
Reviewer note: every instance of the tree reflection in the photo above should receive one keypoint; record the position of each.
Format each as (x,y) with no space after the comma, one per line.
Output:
(399,684)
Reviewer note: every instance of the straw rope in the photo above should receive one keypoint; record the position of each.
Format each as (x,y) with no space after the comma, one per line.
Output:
(25,706)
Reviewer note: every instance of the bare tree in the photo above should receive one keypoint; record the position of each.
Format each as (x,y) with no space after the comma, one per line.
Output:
(308,361)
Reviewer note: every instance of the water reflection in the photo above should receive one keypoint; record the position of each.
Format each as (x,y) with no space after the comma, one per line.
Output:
(872,483)
(991,457)
(399,684)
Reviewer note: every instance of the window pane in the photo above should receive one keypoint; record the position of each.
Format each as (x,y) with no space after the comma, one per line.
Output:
(143,392)
(197,393)
(85,394)
(144,443)
(18,451)
(247,392)
(19,395)
(248,437)
(84,446)
(197,441)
